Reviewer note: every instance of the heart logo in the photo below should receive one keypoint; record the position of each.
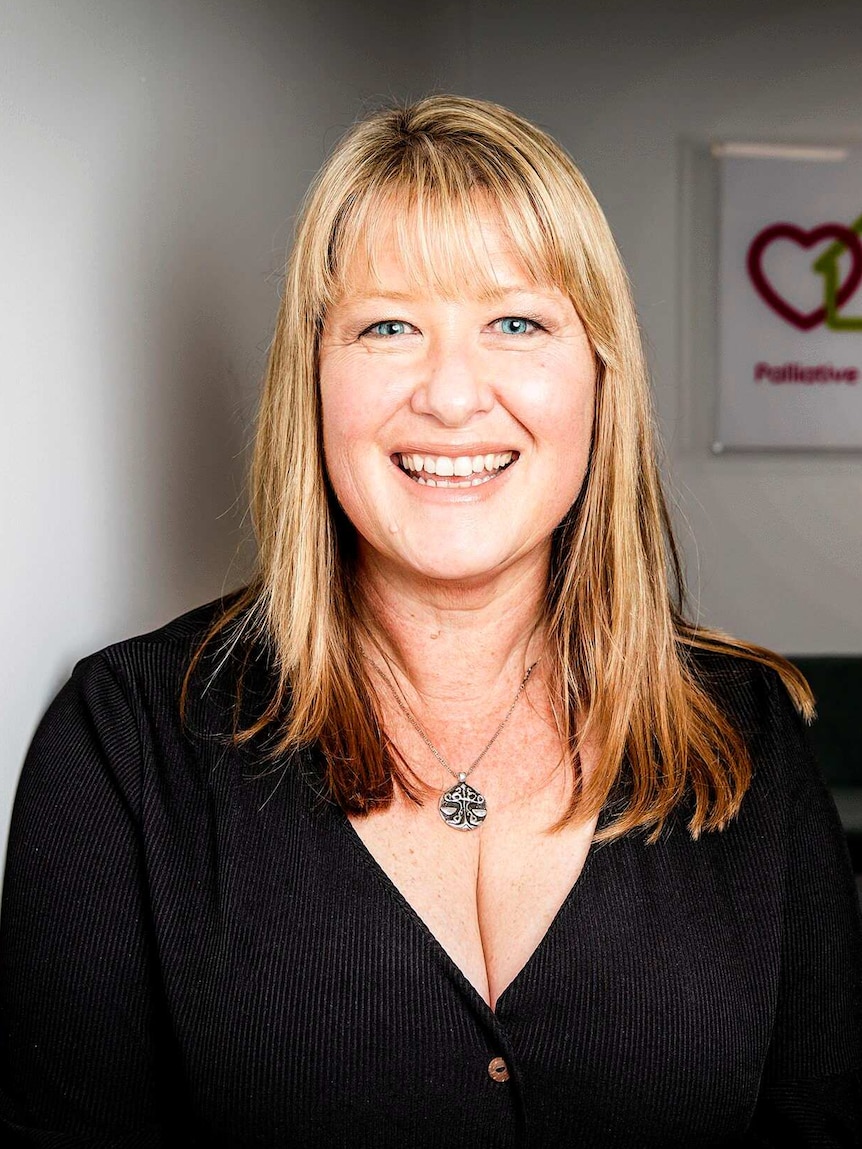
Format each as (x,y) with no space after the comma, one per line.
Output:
(835,231)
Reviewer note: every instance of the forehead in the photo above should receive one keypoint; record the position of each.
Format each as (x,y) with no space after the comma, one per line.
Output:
(470,248)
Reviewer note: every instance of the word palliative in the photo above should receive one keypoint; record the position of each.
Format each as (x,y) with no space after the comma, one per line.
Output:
(802,373)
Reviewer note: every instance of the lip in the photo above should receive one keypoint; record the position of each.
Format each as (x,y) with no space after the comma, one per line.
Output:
(451,452)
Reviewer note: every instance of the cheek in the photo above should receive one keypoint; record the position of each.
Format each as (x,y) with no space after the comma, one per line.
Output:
(339,421)
(356,400)
(345,429)
(555,404)
(351,417)
(342,410)
(557,409)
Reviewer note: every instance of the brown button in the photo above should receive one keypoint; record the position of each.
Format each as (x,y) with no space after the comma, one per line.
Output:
(497,1070)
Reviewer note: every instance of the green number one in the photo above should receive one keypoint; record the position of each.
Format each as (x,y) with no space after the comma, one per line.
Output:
(827,266)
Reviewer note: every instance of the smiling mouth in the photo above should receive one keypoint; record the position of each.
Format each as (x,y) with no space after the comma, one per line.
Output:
(461,471)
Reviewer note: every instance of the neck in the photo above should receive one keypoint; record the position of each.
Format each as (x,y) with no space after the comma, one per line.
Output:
(455,644)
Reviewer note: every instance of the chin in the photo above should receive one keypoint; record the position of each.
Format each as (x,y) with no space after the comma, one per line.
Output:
(458,568)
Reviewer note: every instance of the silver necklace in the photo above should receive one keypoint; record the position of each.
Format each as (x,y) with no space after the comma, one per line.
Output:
(461,806)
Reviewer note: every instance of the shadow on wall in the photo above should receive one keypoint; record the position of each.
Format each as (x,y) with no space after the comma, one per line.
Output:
(182,409)
(201,438)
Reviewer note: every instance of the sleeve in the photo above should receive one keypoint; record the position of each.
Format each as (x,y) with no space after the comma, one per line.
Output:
(811,1091)
(84,1059)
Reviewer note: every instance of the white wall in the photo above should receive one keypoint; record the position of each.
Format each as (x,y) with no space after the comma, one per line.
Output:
(153,155)
(636,90)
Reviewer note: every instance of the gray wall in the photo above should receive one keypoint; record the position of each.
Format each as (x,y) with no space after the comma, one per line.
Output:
(153,155)
(636,89)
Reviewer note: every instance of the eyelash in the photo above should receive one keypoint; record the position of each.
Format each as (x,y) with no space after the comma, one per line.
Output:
(537,325)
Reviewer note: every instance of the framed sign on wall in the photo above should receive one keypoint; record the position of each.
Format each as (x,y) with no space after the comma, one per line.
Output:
(789,297)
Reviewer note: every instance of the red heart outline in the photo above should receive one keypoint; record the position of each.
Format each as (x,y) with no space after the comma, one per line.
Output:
(804,321)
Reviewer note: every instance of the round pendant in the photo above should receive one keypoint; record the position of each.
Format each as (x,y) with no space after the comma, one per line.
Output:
(462,807)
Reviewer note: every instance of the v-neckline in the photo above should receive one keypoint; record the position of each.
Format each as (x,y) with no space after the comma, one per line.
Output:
(391,888)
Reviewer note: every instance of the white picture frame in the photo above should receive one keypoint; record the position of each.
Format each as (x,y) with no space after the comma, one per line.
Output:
(789,297)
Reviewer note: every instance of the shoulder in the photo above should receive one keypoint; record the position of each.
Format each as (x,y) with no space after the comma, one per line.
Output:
(744,688)
(171,641)
(120,707)
(153,664)
(756,700)
(787,832)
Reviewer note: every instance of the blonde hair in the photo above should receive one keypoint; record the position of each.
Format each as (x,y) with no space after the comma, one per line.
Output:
(620,647)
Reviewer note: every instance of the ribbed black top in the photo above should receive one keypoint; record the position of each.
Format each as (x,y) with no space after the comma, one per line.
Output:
(194,952)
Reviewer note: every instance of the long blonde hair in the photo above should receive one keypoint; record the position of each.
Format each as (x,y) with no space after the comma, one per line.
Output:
(620,646)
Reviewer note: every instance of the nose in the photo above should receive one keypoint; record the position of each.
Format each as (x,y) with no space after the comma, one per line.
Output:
(453,385)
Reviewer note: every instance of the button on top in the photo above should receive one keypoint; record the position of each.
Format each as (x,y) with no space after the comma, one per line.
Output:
(497,1070)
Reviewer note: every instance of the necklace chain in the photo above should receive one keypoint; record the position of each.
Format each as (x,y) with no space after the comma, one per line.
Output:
(414,722)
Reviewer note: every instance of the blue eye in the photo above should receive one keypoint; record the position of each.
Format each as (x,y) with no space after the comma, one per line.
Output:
(388,327)
(516,325)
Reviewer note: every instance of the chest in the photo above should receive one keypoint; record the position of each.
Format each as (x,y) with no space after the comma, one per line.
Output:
(487,896)
(308,971)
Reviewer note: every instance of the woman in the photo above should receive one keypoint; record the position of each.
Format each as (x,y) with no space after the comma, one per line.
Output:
(464,836)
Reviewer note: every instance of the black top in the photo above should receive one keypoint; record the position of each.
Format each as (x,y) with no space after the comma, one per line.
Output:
(195,952)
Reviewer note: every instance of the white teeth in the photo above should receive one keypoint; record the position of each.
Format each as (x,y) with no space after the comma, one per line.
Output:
(460,467)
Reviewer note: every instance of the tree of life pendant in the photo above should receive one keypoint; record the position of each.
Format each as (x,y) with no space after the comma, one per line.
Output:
(462,807)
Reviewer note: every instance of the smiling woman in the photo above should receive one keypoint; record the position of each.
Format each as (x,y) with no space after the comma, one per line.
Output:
(450,828)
